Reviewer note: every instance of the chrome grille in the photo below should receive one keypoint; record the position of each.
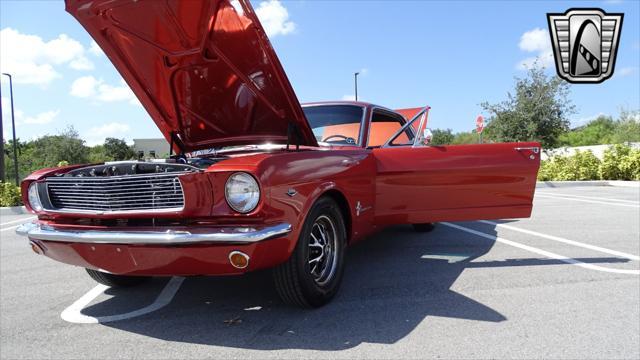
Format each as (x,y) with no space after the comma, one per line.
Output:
(117,193)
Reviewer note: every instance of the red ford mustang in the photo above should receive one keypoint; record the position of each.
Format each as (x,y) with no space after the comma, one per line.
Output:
(257,180)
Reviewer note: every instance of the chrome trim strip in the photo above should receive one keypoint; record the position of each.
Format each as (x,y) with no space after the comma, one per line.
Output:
(118,177)
(233,235)
(122,212)
(535,149)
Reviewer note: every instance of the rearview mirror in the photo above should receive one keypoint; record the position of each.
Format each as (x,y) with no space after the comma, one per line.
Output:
(427,135)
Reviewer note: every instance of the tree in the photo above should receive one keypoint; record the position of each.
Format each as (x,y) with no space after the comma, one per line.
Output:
(597,131)
(117,149)
(97,154)
(49,150)
(605,130)
(537,111)
(469,137)
(628,127)
(442,137)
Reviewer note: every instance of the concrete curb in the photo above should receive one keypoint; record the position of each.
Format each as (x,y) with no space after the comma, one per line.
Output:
(563,184)
(13,210)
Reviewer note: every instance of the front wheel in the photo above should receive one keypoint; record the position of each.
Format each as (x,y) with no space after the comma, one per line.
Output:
(115,280)
(312,275)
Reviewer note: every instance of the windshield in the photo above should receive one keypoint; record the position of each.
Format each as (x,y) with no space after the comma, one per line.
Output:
(335,124)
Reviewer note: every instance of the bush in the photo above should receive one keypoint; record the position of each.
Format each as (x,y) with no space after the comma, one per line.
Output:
(621,162)
(630,165)
(9,195)
(582,165)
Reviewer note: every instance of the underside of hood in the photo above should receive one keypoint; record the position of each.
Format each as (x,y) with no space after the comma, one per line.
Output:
(203,69)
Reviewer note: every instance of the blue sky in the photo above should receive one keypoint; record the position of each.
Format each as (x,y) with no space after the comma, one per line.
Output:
(450,55)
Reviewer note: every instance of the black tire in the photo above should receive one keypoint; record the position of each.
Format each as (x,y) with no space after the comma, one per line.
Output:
(115,280)
(298,281)
(424,228)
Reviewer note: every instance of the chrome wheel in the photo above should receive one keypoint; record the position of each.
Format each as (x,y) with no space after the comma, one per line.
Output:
(323,243)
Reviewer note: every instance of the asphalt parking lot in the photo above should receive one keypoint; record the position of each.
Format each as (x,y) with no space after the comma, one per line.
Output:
(563,284)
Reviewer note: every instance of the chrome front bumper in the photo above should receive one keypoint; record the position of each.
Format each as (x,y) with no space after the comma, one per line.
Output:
(227,235)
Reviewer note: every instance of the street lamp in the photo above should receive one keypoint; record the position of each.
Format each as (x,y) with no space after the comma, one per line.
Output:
(1,141)
(355,77)
(13,126)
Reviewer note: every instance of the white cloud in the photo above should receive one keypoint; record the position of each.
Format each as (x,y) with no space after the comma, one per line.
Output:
(536,41)
(97,134)
(81,63)
(31,60)
(109,93)
(584,120)
(84,87)
(42,118)
(275,18)
(90,87)
(626,71)
(95,49)
(352,98)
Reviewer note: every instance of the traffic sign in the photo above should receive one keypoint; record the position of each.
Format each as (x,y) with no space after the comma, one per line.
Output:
(479,124)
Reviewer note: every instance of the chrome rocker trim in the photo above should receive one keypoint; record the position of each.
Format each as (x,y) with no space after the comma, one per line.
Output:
(227,235)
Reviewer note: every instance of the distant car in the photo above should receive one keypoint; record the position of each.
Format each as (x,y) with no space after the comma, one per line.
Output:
(285,186)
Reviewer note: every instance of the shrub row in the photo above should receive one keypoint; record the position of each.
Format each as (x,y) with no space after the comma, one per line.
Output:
(620,162)
(9,194)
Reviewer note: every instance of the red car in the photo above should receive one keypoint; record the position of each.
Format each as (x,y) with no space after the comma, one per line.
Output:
(282,185)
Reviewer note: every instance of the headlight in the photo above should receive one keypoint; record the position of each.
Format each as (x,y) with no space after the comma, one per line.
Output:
(34,198)
(242,192)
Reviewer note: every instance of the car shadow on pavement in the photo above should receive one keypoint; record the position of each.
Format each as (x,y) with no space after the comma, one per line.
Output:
(393,281)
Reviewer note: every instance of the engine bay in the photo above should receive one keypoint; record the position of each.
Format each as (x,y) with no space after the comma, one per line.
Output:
(130,168)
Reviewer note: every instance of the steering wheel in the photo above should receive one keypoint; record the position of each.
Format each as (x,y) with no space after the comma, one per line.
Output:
(349,140)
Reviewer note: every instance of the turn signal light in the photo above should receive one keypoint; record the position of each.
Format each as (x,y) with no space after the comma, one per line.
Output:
(238,259)
(36,248)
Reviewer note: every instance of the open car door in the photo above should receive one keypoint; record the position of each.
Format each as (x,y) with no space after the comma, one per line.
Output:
(418,183)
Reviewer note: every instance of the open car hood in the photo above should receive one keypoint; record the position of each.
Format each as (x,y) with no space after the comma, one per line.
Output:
(204,70)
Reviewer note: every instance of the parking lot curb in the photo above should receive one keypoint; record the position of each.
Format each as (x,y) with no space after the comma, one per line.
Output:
(561,184)
(13,210)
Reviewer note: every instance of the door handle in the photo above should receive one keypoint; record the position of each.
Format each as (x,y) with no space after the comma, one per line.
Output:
(533,149)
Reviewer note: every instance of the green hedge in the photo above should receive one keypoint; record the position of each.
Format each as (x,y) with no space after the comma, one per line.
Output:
(9,195)
(620,162)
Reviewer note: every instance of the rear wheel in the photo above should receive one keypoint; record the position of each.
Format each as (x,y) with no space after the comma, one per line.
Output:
(115,280)
(424,227)
(312,275)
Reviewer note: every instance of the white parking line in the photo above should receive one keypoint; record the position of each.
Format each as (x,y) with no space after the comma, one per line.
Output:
(589,197)
(19,220)
(566,241)
(548,254)
(73,313)
(585,200)
(9,228)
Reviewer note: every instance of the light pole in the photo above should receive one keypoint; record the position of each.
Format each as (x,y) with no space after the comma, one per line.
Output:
(1,141)
(13,126)
(355,78)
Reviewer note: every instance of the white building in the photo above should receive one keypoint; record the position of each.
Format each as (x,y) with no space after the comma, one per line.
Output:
(151,148)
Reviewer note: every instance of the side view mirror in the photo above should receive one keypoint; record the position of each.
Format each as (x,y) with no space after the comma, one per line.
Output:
(427,135)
